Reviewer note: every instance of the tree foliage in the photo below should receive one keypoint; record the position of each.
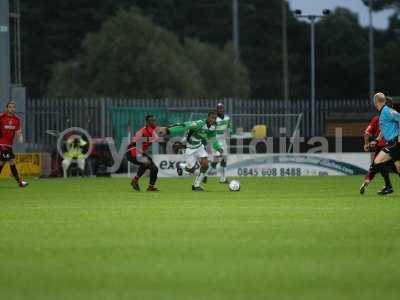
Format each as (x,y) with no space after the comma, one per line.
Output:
(132,57)
(383,4)
(55,32)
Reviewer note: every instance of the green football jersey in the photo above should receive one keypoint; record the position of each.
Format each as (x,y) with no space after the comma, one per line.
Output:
(198,133)
(223,125)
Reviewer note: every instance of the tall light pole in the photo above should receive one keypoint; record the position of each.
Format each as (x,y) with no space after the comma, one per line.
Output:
(4,53)
(285,53)
(235,29)
(371,53)
(236,46)
(312,19)
(285,64)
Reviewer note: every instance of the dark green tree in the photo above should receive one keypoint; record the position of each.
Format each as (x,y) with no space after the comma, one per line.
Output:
(53,32)
(342,62)
(132,57)
(383,4)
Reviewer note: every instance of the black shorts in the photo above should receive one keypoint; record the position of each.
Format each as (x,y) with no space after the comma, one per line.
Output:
(6,154)
(143,161)
(393,149)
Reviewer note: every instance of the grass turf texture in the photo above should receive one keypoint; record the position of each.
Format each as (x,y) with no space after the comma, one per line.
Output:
(278,238)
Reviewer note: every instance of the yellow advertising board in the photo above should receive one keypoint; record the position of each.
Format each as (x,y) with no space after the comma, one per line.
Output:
(28,164)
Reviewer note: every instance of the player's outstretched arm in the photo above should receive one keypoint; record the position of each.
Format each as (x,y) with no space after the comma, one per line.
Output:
(230,127)
(181,128)
(215,144)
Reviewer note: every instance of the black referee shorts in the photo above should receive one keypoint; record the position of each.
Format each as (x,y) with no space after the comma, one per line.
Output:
(393,149)
(6,154)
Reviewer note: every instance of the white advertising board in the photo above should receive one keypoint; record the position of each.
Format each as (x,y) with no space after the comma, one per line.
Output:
(301,164)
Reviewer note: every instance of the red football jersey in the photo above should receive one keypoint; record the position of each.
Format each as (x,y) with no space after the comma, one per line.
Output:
(144,138)
(9,125)
(374,130)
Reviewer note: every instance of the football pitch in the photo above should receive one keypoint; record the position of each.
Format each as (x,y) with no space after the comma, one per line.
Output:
(278,238)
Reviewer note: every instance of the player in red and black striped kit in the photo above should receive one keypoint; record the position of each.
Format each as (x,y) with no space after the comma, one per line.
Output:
(136,153)
(10,127)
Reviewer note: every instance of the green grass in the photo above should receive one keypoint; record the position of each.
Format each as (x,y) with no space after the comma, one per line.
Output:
(279,238)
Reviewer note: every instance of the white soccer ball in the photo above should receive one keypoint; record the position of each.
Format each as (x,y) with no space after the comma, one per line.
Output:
(234,186)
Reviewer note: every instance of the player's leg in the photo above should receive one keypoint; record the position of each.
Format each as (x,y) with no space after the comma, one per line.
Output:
(190,164)
(142,167)
(135,181)
(212,170)
(4,157)
(222,178)
(387,189)
(200,176)
(65,166)
(223,159)
(153,175)
(394,153)
(372,172)
(381,165)
(81,165)
(214,163)
(202,157)
(213,166)
(396,167)
(14,172)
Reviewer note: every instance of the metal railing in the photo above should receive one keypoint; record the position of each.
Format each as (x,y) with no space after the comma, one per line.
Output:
(91,113)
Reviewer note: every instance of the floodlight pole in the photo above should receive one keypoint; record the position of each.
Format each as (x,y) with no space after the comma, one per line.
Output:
(313,19)
(4,53)
(312,32)
(371,54)
(236,46)
(235,29)
(285,64)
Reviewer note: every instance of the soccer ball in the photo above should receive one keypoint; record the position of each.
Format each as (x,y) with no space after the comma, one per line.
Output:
(234,186)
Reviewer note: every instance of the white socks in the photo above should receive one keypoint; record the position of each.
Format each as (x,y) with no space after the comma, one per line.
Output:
(199,179)
(222,178)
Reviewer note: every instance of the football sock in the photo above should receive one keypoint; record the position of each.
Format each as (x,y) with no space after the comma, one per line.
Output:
(373,169)
(370,175)
(223,167)
(153,174)
(140,171)
(14,171)
(380,168)
(386,177)
(199,179)
(222,178)
(1,168)
(212,169)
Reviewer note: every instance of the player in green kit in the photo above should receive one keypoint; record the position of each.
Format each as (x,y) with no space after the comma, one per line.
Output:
(224,127)
(198,135)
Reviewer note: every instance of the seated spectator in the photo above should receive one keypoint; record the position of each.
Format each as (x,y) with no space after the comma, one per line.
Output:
(75,153)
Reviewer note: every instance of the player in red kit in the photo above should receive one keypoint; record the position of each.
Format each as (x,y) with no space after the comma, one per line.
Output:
(376,145)
(136,153)
(10,127)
